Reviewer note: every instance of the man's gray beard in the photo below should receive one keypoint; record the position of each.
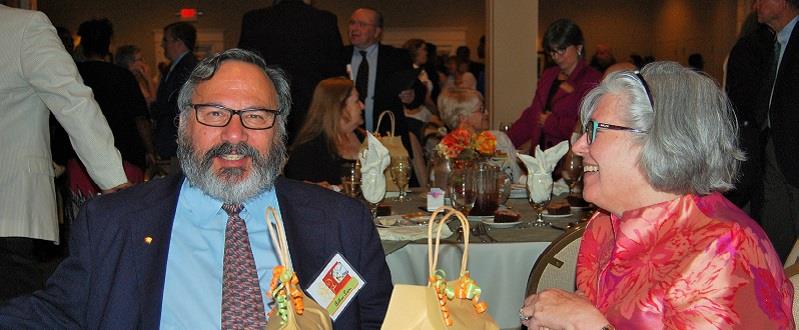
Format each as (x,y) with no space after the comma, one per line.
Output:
(231,185)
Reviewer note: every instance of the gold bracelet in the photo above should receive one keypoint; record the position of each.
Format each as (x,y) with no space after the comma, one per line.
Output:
(608,327)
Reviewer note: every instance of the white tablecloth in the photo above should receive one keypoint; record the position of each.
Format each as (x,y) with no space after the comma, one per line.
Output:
(501,270)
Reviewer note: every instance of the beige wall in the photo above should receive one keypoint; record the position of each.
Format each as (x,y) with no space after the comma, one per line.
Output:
(512,63)
(666,29)
(134,21)
(624,25)
(683,27)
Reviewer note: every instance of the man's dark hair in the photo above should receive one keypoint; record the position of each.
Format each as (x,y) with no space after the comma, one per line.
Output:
(183,31)
(95,36)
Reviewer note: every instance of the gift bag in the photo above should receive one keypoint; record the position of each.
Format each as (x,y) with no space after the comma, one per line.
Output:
(292,309)
(441,305)
(394,145)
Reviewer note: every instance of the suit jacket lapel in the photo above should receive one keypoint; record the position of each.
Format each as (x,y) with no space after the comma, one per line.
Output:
(150,240)
(306,232)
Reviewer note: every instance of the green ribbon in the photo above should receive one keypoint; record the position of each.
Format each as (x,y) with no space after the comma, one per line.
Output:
(281,299)
(440,284)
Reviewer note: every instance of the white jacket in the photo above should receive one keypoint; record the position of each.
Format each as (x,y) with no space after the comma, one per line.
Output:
(36,73)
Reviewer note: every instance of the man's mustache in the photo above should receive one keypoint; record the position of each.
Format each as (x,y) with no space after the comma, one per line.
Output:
(228,148)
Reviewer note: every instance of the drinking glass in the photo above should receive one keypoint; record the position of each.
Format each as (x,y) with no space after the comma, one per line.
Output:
(571,170)
(503,188)
(540,193)
(400,173)
(462,190)
(351,179)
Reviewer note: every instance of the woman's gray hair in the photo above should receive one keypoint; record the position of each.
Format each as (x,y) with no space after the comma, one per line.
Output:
(457,103)
(206,69)
(691,144)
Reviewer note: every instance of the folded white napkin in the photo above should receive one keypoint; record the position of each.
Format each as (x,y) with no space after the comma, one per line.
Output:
(408,233)
(540,167)
(374,160)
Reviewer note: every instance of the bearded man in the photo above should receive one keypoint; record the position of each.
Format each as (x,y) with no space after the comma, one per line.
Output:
(194,252)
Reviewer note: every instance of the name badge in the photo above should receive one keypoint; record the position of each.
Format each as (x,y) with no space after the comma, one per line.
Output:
(335,287)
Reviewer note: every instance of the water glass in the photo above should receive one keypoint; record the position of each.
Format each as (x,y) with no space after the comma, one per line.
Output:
(462,190)
(351,179)
(503,188)
(401,172)
(571,170)
(539,195)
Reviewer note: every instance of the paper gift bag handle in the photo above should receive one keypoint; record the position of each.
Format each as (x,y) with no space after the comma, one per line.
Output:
(433,250)
(279,238)
(393,121)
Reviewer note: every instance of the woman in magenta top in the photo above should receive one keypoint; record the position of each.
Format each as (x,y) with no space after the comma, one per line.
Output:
(554,110)
(667,251)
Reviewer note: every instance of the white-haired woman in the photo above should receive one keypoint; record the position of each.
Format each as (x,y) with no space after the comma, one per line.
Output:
(464,108)
(669,251)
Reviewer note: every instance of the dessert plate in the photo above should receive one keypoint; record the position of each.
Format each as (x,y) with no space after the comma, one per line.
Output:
(546,214)
(490,222)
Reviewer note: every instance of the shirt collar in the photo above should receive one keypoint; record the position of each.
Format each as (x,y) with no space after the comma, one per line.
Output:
(785,33)
(175,62)
(369,50)
(203,209)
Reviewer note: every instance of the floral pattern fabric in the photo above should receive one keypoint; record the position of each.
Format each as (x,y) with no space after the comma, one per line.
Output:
(696,262)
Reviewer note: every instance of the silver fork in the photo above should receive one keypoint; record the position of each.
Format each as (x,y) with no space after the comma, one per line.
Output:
(482,231)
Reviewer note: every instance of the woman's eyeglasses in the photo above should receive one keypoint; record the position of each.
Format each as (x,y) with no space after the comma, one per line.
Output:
(558,51)
(592,126)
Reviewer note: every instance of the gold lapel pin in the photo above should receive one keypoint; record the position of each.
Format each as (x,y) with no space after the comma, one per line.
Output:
(148,240)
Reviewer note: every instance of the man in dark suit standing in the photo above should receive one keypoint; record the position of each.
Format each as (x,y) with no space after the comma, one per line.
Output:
(747,69)
(303,41)
(779,118)
(192,253)
(373,79)
(178,43)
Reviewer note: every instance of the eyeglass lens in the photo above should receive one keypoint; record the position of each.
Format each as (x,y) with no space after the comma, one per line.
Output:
(218,116)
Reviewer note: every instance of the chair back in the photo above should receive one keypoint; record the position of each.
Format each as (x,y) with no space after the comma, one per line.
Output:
(419,166)
(792,273)
(556,266)
(793,256)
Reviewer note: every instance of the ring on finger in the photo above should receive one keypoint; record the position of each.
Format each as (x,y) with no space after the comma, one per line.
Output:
(523,317)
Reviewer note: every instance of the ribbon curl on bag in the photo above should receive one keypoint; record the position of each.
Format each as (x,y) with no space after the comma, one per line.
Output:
(541,166)
(374,160)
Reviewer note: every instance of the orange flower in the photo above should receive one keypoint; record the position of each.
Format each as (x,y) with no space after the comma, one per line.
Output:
(462,143)
(485,143)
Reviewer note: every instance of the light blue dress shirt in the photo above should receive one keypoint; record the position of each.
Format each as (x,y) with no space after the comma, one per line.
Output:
(193,286)
(369,102)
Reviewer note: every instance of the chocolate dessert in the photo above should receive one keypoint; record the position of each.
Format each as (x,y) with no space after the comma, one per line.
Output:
(505,216)
(383,210)
(558,207)
(577,201)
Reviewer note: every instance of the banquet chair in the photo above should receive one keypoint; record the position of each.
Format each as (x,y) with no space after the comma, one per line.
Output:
(556,266)
(792,272)
(419,167)
(793,256)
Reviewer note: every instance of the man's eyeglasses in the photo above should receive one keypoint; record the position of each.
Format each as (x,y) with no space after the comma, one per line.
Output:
(592,126)
(215,115)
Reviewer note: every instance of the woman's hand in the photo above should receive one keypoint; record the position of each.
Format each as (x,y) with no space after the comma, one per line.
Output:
(542,118)
(558,309)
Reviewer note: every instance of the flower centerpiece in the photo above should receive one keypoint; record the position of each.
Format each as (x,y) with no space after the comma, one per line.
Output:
(463,144)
